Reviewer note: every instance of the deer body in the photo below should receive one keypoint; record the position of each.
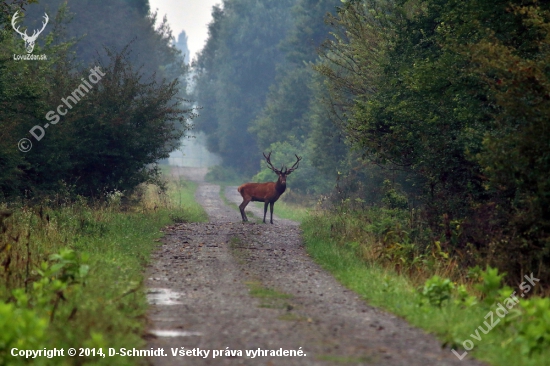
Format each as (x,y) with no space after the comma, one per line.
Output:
(268,193)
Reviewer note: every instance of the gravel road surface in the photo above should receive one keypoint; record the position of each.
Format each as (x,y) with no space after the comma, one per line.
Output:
(227,286)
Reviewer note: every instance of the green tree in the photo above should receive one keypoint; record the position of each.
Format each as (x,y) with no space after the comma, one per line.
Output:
(113,24)
(235,70)
(23,90)
(113,137)
(293,111)
(110,139)
(455,94)
(516,155)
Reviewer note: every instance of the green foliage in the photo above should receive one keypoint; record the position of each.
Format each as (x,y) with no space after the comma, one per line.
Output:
(515,156)
(234,72)
(393,198)
(463,297)
(293,112)
(453,320)
(224,175)
(113,24)
(65,284)
(22,328)
(436,290)
(455,94)
(284,116)
(278,99)
(102,145)
(534,329)
(111,139)
(491,285)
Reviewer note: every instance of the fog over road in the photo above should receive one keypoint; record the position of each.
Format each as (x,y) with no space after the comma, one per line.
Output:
(228,285)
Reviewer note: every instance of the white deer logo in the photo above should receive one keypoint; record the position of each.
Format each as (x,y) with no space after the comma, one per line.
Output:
(29,41)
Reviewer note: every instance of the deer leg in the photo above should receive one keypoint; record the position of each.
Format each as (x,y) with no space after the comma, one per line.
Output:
(265,209)
(271,209)
(242,206)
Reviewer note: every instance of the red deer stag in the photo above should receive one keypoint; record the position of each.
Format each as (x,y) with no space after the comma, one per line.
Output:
(268,193)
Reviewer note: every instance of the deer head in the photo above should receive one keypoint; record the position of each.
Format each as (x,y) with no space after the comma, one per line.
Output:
(29,40)
(283,172)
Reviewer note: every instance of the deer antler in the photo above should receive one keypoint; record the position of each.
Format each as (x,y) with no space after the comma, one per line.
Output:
(13,19)
(270,166)
(295,166)
(29,40)
(35,34)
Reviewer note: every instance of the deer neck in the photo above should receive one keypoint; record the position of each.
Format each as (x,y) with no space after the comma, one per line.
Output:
(280,187)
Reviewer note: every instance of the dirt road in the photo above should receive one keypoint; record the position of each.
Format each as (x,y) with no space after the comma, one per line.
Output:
(229,286)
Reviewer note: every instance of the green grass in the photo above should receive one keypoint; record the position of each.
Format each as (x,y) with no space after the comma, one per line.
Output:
(287,210)
(270,298)
(452,323)
(183,194)
(105,307)
(257,289)
(226,201)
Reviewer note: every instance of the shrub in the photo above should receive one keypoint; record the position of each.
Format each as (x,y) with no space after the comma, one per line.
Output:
(534,329)
(436,290)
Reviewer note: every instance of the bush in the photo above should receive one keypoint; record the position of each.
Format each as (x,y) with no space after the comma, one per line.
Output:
(437,289)
(21,328)
(491,285)
(534,329)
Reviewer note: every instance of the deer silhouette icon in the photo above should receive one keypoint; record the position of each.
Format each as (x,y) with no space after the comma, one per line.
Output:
(29,40)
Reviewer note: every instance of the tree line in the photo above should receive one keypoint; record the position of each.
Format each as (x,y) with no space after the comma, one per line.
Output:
(438,107)
(111,137)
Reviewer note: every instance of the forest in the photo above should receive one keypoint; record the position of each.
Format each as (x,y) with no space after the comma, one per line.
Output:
(435,109)
(422,126)
(112,139)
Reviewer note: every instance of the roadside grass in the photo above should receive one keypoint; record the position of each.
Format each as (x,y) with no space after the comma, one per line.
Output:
(229,203)
(287,210)
(291,206)
(453,321)
(182,194)
(72,273)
